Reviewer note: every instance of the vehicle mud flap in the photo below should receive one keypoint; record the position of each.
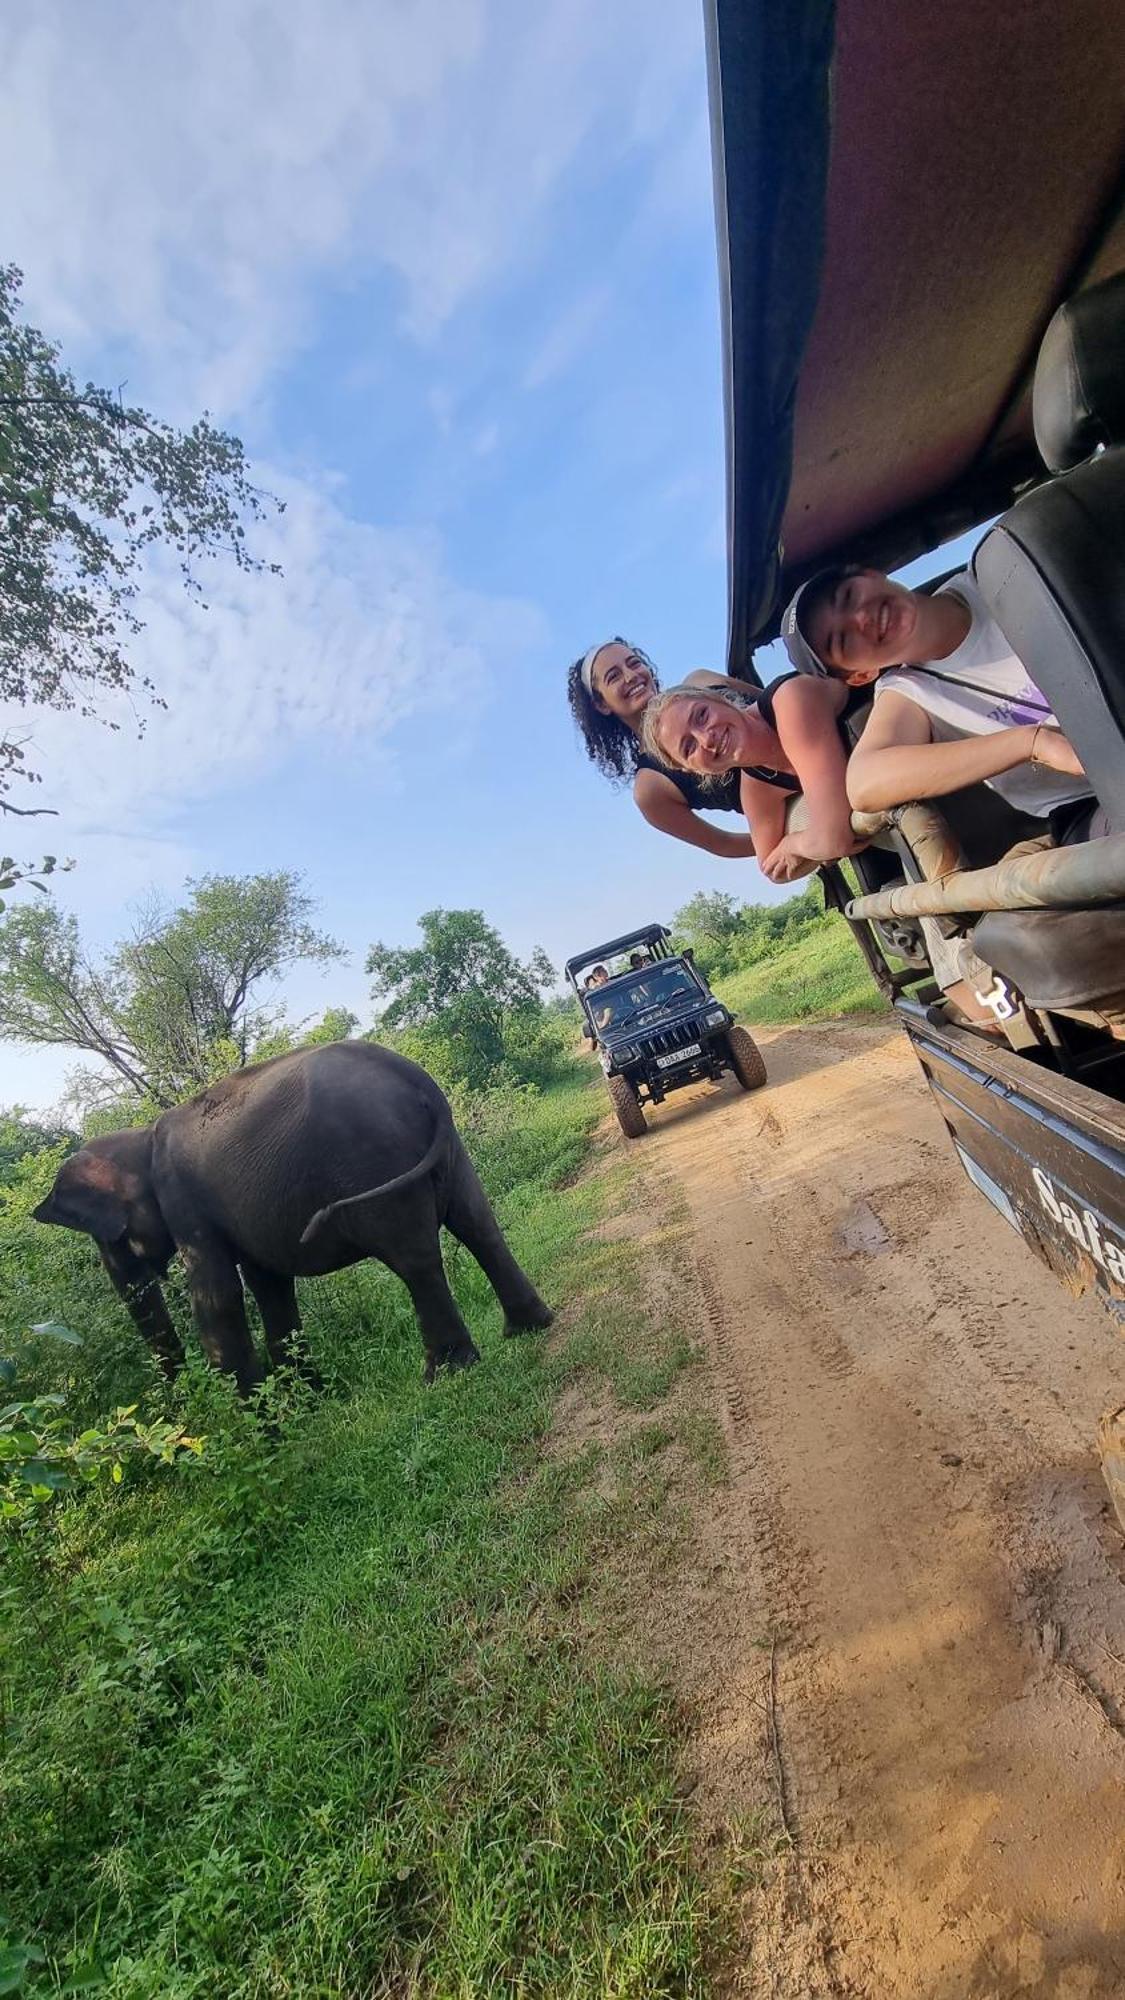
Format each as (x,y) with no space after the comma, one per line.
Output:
(1111,1450)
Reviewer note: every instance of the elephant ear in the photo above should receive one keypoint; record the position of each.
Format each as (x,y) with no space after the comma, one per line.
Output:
(85,1205)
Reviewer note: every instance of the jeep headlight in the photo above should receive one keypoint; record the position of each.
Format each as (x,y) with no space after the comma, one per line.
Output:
(715,1018)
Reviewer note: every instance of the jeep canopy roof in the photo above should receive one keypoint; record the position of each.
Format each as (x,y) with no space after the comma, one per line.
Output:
(655,938)
(976,179)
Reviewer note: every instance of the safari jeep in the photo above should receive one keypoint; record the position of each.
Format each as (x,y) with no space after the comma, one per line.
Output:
(656,1024)
(924,335)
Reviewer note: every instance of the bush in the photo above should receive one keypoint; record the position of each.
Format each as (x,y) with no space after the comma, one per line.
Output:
(312,1717)
(534,1050)
(728,937)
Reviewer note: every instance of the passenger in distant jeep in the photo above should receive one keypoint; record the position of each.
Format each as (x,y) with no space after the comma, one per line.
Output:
(953,705)
(602,1015)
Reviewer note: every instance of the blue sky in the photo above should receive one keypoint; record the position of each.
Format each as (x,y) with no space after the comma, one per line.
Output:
(449,270)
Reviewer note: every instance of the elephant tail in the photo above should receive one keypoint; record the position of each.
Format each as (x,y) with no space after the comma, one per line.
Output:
(425,1165)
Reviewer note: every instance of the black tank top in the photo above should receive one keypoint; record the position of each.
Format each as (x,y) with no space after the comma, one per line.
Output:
(701,794)
(763,703)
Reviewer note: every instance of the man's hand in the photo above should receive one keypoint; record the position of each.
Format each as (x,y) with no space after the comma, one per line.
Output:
(1052,750)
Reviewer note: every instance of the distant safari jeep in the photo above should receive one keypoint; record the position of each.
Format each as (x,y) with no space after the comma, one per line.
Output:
(656,1023)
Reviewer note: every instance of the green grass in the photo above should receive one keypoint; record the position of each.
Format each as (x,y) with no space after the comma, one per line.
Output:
(320,1715)
(820,975)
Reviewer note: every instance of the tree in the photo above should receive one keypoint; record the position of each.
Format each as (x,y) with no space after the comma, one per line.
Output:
(22,1133)
(336,1025)
(177,1003)
(710,923)
(462,982)
(88,486)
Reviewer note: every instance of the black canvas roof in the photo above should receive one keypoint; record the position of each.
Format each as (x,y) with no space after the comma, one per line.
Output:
(649,934)
(887,272)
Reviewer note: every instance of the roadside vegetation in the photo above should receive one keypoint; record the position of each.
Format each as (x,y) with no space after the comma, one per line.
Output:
(313,1696)
(777,962)
(300,1699)
(321,1695)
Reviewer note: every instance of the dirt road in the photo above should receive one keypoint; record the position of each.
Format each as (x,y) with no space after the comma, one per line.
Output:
(906,1632)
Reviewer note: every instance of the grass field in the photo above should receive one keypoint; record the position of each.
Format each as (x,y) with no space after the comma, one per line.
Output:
(820,975)
(315,1716)
(324,1712)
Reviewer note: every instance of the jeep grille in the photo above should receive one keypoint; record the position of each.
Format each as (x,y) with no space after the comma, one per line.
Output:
(672,1038)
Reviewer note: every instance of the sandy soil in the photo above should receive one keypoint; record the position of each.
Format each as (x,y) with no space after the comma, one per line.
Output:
(904,1632)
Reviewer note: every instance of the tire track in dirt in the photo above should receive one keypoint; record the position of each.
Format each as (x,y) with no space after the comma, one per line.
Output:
(923,1664)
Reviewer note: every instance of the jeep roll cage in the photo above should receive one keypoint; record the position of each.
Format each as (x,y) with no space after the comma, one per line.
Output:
(654,938)
(883,305)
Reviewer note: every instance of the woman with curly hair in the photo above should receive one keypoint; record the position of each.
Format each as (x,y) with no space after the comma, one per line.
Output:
(609,689)
(774,741)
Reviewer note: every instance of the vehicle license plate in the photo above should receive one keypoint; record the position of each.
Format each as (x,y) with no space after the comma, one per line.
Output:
(677,1055)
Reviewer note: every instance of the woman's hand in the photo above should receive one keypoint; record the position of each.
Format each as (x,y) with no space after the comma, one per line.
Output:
(786,862)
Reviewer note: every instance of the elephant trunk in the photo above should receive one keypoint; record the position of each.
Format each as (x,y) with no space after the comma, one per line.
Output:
(144,1300)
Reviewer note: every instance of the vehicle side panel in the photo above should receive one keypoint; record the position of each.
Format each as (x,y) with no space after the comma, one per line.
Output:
(1048,1152)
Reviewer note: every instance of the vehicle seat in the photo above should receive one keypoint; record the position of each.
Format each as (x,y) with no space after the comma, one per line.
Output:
(1064,961)
(1052,571)
(1053,575)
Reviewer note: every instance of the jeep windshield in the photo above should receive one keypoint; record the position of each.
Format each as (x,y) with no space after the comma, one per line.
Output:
(643,997)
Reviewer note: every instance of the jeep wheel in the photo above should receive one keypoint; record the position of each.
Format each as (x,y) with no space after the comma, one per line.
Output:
(746,1059)
(630,1117)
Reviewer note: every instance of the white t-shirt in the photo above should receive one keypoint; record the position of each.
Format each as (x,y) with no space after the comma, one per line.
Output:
(985,658)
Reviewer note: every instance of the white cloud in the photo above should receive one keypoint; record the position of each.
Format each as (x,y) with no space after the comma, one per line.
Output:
(172,177)
(364,629)
(181,183)
(567,337)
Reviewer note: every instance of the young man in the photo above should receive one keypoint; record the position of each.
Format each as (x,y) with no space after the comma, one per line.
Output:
(953,705)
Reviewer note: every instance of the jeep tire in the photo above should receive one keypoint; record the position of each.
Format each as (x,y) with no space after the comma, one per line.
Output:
(746,1059)
(625,1102)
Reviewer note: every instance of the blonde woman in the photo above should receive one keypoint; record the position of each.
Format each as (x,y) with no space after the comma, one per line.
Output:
(780,742)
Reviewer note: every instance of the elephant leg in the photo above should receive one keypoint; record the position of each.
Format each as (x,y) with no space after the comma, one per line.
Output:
(219,1310)
(281,1319)
(151,1317)
(163,1339)
(413,1253)
(469,1216)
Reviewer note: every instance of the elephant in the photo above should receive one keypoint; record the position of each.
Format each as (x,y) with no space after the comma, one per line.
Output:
(289,1169)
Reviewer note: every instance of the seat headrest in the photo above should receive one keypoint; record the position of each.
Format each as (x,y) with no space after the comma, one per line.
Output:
(1078,401)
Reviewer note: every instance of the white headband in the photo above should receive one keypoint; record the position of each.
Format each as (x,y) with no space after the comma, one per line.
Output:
(586,671)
